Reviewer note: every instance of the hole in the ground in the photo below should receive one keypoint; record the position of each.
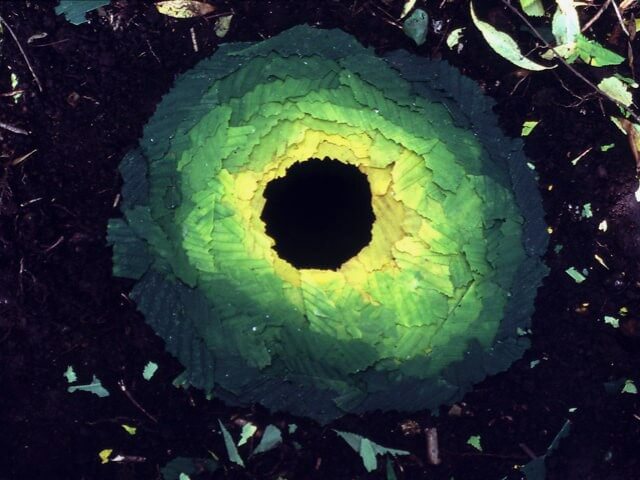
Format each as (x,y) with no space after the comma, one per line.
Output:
(319,213)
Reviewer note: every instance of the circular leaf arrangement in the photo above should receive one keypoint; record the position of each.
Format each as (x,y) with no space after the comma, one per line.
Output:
(434,302)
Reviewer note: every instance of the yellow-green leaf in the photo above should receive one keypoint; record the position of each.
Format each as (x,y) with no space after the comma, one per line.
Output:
(454,37)
(617,90)
(565,24)
(105,454)
(528,126)
(504,45)
(222,25)
(533,8)
(184,8)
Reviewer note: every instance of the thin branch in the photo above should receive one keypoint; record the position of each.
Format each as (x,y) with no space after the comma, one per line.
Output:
(598,14)
(24,54)
(13,128)
(524,19)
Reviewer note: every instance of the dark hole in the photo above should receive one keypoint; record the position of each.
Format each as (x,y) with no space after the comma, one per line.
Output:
(319,213)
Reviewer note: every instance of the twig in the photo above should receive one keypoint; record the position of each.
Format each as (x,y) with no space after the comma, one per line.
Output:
(13,129)
(598,14)
(507,3)
(15,38)
(620,20)
(135,402)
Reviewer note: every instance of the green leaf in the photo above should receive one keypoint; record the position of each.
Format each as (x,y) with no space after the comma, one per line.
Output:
(616,89)
(565,24)
(75,10)
(586,211)
(575,274)
(150,370)
(415,27)
(607,147)
(129,429)
(533,8)
(454,38)
(271,438)
(222,25)
(368,450)
(504,45)
(528,126)
(248,430)
(613,321)
(94,387)
(630,387)
(475,442)
(70,375)
(594,54)
(407,7)
(232,451)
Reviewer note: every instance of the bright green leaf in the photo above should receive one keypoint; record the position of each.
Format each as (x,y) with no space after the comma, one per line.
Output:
(292,428)
(607,147)
(70,374)
(454,38)
(232,451)
(504,45)
(94,387)
(616,89)
(613,321)
(415,27)
(184,476)
(575,274)
(271,438)
(528,126)
(474,441)
(149,370)
(129,429)
(533,8)
(594,54)
(248,430)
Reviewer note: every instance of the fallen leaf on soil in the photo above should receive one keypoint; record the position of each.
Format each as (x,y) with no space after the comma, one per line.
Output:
(184,8)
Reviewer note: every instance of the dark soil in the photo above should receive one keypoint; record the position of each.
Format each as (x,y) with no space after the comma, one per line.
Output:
(60,305)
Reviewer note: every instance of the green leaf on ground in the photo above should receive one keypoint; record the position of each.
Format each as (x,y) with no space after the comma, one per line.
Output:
(575,274)
(368,450)
(248,431)
(504,45)
(271,438)
(70,375)
(75,10)
(150,370)
(607,147)
(454,38)
(475,442)
(94,387)
(232,451)
(630,387)
(586,211)
(129,429)
(222,25)
(415,27)
(528,126)
(184,8)
(613,321)
(408,6)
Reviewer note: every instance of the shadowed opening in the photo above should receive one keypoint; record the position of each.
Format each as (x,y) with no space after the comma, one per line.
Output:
(319,213)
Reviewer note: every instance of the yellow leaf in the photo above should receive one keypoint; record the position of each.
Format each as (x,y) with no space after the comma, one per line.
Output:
(129,429)
(105,454)
(184,8)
